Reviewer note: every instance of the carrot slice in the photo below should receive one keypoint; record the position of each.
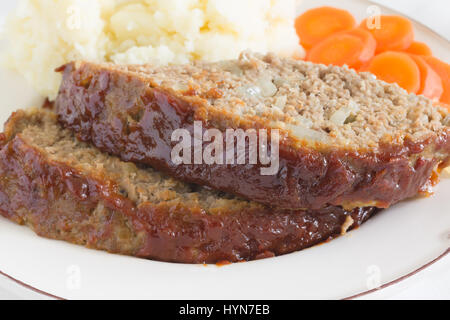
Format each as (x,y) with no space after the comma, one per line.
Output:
(353,48)
(430,82)
(370,45)
(443,70)
(396,67)
(394,33)
(419,48)
(316,24)
(337,50)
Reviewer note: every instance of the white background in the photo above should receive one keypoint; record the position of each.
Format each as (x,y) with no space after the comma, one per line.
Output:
(428,284)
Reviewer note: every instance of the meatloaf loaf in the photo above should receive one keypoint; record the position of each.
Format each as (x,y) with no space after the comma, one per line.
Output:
(66,189)
(346,139)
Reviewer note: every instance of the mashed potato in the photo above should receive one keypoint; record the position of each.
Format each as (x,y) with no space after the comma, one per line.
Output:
(44,34)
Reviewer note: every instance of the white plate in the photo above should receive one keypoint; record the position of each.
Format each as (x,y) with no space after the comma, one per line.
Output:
(390,246)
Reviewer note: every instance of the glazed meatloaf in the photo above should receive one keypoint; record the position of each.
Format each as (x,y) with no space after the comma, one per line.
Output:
(346,139)
(66,189)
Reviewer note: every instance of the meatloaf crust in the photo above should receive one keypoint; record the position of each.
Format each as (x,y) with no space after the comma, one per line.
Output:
(122,113)
(77,198)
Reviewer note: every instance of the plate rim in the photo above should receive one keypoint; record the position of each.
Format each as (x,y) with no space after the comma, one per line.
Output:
(30,287)
(401,278)
(352,297)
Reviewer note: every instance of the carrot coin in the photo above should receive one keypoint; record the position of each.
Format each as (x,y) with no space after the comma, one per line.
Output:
(316,24)
(443,70)
(396,67)
(419,48)
(353,48)
(430,82)
(393,33)
(370,45)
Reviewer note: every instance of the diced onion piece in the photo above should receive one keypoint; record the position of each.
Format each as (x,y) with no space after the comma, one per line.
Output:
(303,133)
(250,91)
(231,67)
(340,115)
(268,89)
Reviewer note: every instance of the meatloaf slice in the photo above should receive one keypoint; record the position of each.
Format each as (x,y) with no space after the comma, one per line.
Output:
(346,138)
(66,189)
